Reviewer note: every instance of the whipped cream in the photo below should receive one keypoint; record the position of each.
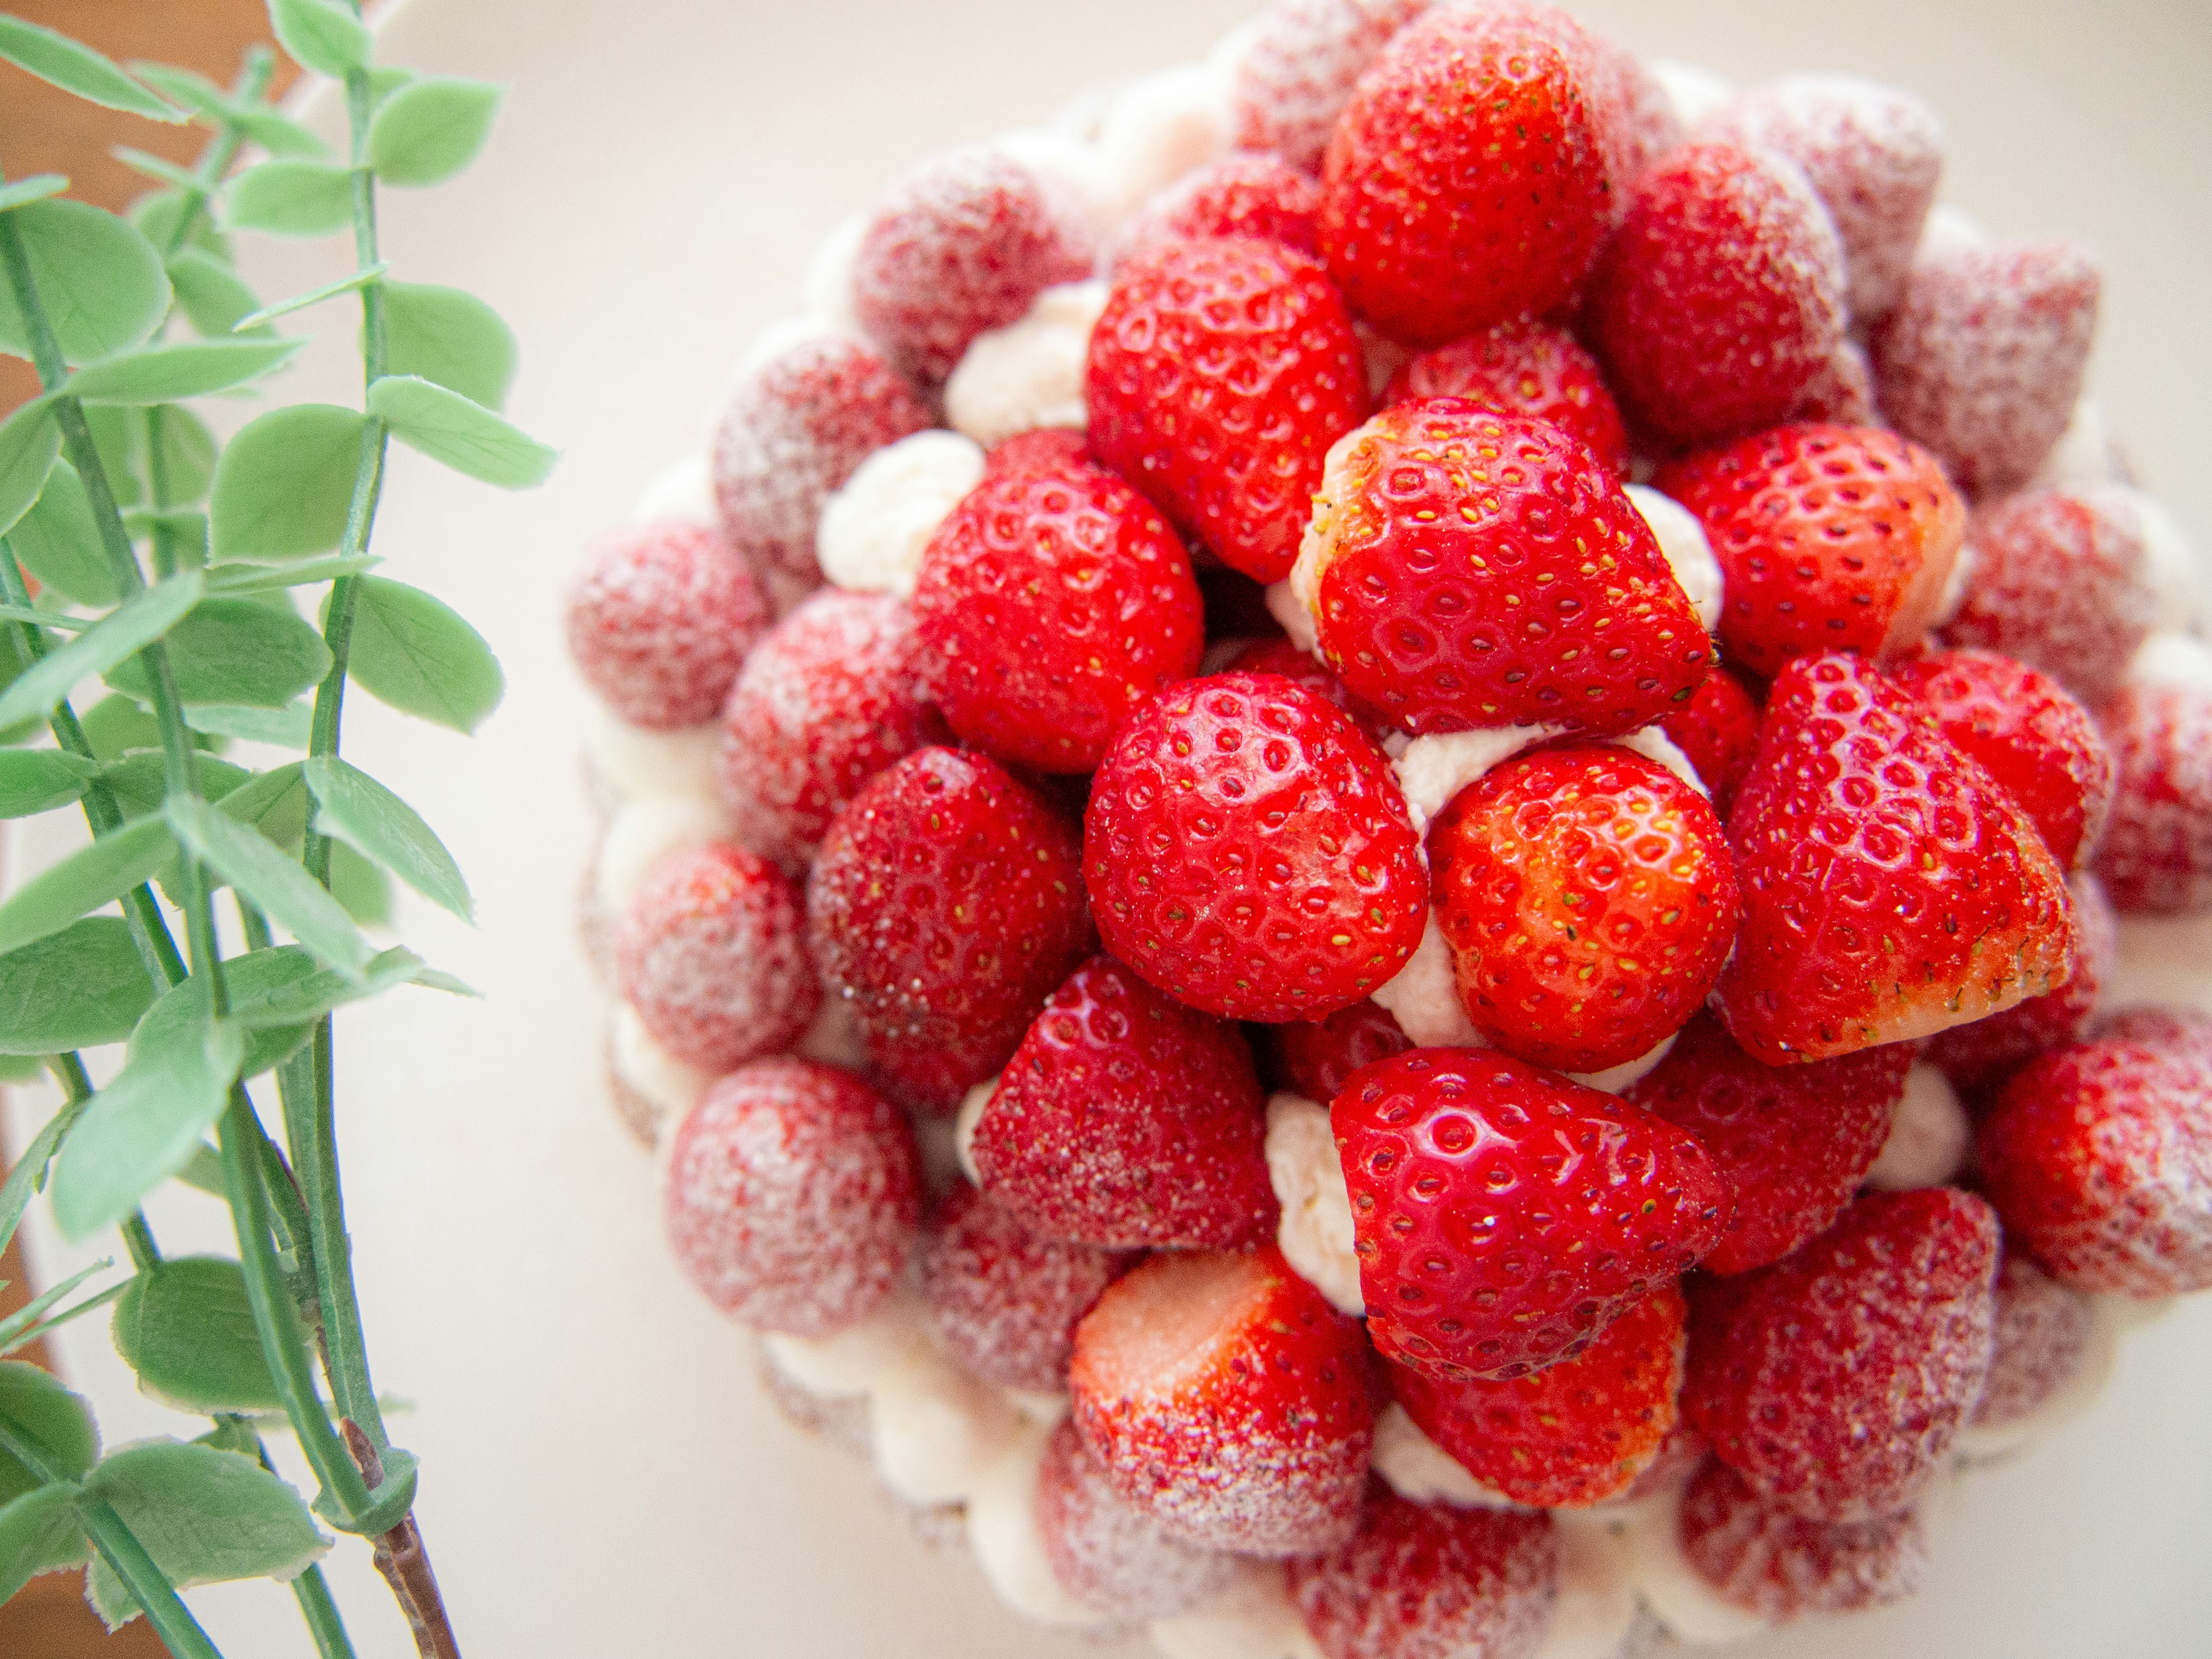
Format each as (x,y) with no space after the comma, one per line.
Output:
(875,530)
(647,829)
(1616,1079)
(1289,609)
(972,1105)
(1423,996)
(632,761)
(1160,127)
(1949,230)
(1030,373)
(1955,586)
(2084,455)
(669,1087)
(1252,1618)
(1928,1134)
(1002,1531)
(828,288)
(2177,572)
(1691,1608)
(1315,1233)
(1596,1606)
(685,490)
(1422,1472)
(1433,769)
(1694,90)
(1066,158)
(1682,539)
(2162,961)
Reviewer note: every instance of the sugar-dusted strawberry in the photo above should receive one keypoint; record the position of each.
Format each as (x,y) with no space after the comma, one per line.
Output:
(2157,851)
(2045,1332)
(1247,850)
(2063,582)
(1523,367)
(958,244)
(1005,1301)
(1107,1553)
(1315,1058)
(1719,300)
(1793,1142)
(946,903)
(659,620)
(1248,194)
(1829,538)
(797,426)
(1296,74)
(1769,1559)
(1218,375)
(1717,731)
(1981,1054)
(1505,1215)
(2157,1026)
(1466,568)
(1642,122)
(1280,656)
(1836,1380)
(1983,358)
(1052,601)
(712,954)
(1841,393)
(1890,888)
(829,698)
(1424,1581)
(793,1194)
(1681,1453)
(1127,1119)
(2027,733)
(1470,178)
(1228,1402)
(2100,1159)
(1576,1432)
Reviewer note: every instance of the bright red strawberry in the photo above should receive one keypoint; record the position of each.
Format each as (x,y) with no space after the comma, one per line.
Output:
(2100,1159)
(1314,1058)
(1829,538)
(2044,1334)
(659,620)
(946,903)
(1280,656)
(1505,1215)
(1528,368)
(1228,1402)
(1469,569)
(1574,1433)
(1430,1581)
(1244,194)
(829,698)
(1765,1557)
(1793,1142)
(1107,1553)
(1836,1380)
(1588,900)
(2157,850)
(1719,300)
(1247,850)
(1127,1119)
(1890,888)
(1053,601)
(1051,448)
(1983,359)
(1982,1053)
(1717,731)
(1295,76)
(1470,179)
(1220,374)
(1005,1301)
(791,1196)
(2035,740)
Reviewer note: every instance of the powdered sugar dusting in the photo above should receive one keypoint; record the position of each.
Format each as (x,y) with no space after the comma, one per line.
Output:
(1781,1567)
(1298,69)
(659,619)
(1109,1553)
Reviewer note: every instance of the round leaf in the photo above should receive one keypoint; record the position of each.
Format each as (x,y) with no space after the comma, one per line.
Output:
(180,455)
(39,1533)
(38,780)
(181,368)
(430,129)
(58,543)
(186,1328)
(444,335)
(462,434)
(415,654)
(57,1423)
(384,830)
(213,295)
(78,988)
(235,651)
(284,484)
(141,1129)
(291,197)
(321,35)
(28,443)
(100,281)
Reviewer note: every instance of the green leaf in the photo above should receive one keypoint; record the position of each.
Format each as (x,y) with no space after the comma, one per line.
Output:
(140,1129)
(135,624)
(186,89)
(139,780)
(119,437)
(287,726)
(235,651)
(30,1174)
(454,338)
(58,543)
(415,654)
(40,1533)
(286,893)
(36,188)
(269,579)
(255,984)
(182,457)
(82,987)
(214,296)
(274,803)
(156,216)
(34,780)
(461,433)
(203,1172)
(115,725)
(314,297)
(321,35)
(284,484)
(278,134)
(387,78)
(290,198)
(29,441)
(362,890)
(159,169)
(205,1517)
(181,369)
(97,873)
(39,1410)
(216,108)
(430,129)
(22,1327)
(100,281)
(60,61)
(186,1328)
(384,830)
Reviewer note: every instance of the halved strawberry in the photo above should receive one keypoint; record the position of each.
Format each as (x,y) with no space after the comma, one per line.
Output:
(1005,1301)
(1980,1054)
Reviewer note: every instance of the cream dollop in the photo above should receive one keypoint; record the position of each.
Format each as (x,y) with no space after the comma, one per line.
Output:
(1160,127)
(1029,374)
(1682,539)
(1928,1134)
(1315,1233)
(666,1085)
(1596,1606)
(876,529)
(632,761)
(1421,1472)
(1254,1619)
(1674,1590)
(685,490)
(1423,996)
(647,829)
(1431,770)
(1002,1531)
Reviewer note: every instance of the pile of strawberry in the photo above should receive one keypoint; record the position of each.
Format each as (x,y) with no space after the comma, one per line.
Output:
(1069,830)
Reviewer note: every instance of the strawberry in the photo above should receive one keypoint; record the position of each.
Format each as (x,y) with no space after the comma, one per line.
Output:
(2157,1026)
(1294,77)
(1890,888)
(660,621)
(1467,570)
(1005,1301)
(1127,1119)
(2045,1333)
(1428,1582)
(2157,851)
(1829,538)
(1719,300)
(1247,851)
(1107,1553)
(1983,359)
(946,903)
(1244,194)
(1681,1453)
(1280,656)
(1505,1215)
(1576,1432)
(1218,375)
(1765,1557)
(1528,368)
(1976,1055)
(1314,1058)
(1717,731)
(1224,1399)
(1051,449)
(1793,1143)
(2100,1159)
(1836,1380)
(1470,178)
(1052,601)
(793,1191)
(1587,897)
(1841,393)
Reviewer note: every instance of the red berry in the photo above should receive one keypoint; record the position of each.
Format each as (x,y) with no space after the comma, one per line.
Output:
(1984,1052)
(1107,1553)
(1048,448)
(1220,374)
(2045,1335)
(791,1198)
(1528,368)
(1247,851)
(1228,1402)
(1836,1380)
(1280,656)
(1841,393)
(1244,194)
(2157,1027)
(2157,850)
(1315,1058)
(1005,1301)
(1295,77)
(1764,1557)
(1505,1215)
(1127,1119)
(660,621)
(1717,731)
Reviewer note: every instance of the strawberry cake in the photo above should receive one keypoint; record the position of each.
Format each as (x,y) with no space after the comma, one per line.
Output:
(1404,847)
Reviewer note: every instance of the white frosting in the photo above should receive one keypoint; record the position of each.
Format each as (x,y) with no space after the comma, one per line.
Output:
(1163,126)
(1030,373)
(1680,1599)
(2177,573)
(647,829)
(665,1083)
(1423,996)
(1928,1134)
(1955,584)
(1002,1531)
(876,529)
(828,289)
(1597,1595)
(972,1105)
(1695,91)
(847,1365)
(1254,1619)
(632,761)
(1315,1232)
(1285,606)
(1422,1472)
(2083,458)
(1616,1079)
(1682,539)
(1980,1442)
(1433,769)
(2171,659)
(1949,230)
(685,490)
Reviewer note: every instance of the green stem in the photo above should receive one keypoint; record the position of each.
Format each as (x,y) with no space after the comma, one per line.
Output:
(221,151)
(312,1592)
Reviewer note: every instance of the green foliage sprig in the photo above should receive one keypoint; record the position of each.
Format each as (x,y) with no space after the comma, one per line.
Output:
(140,555)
